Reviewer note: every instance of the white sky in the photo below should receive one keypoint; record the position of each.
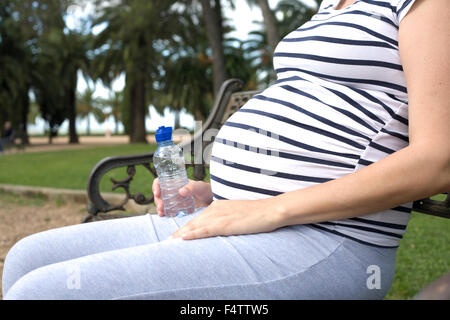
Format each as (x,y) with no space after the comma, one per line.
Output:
(243,18)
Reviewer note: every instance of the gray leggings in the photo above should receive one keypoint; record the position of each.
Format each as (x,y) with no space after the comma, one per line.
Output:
(132,258)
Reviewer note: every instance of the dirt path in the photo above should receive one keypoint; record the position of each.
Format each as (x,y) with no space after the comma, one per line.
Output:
(20,217)
(38,144)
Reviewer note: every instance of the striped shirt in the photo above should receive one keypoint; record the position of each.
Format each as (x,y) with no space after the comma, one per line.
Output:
(339,104)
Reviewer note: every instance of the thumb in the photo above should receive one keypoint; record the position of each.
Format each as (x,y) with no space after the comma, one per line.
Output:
(185,191)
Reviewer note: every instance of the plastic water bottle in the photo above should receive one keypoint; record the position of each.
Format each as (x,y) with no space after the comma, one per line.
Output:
(170,167)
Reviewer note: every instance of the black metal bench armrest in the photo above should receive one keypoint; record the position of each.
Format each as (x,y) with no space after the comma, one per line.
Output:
(433,207)
(97,202)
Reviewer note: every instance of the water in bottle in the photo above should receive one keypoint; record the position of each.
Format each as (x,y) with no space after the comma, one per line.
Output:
(170,167)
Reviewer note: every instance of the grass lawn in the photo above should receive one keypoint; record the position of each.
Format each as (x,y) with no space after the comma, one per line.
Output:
(423,256)
(69,169)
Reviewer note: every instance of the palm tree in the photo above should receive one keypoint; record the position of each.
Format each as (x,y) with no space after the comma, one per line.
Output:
(212,15)
(187,84)
(257,49)
(17,55)
(126,45)
(73,51)
(187,70)
(112,106)
(186,80)
(270,23)
(47,60)
(87,104)
(13,79)
(49,90)
(292,13)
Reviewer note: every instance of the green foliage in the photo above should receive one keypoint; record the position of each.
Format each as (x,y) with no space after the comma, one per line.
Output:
(290,15)
(161,47)
(39,54)
(113,106)
(15,64)
(423,255)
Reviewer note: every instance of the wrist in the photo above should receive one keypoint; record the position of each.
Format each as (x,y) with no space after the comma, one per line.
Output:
(276,211)
(207,191)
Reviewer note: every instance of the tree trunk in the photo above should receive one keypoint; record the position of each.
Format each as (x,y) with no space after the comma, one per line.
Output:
(177,119)
(50,133)
(214,25)
(270,23)
(116,127)
(137,110)
(71,102)
(24,120)
(88,125)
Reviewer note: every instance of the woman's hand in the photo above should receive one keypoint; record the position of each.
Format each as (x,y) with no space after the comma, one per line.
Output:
(231,217)
(199,189)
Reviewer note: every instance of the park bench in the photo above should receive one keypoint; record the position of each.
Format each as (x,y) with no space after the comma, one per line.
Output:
(229,99)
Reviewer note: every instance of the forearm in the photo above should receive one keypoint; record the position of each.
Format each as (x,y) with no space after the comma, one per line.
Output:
(406,175)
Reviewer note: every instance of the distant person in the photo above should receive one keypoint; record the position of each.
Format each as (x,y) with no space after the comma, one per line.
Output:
(7,136)
(107,133)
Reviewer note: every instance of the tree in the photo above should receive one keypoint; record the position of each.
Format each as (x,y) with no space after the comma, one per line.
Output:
(187,71)
(270,23)
(49,92)
(114,105)
(186,68)
(212,15)
(87,104)
(72,47)
(16,71)
(46,60)
(292,14)
(126,45)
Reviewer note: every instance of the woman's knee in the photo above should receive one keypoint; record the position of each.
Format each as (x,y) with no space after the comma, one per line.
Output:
(23,257)
(49,282)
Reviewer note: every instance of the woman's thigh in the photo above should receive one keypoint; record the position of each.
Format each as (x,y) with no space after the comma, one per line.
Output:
(290,263)
(71,242)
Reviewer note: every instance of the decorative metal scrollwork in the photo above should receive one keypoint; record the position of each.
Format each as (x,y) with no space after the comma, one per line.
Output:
(139,197)
(97,204)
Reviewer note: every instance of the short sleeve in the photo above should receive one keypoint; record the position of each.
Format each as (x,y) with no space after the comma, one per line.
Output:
(401,8)
(325,4)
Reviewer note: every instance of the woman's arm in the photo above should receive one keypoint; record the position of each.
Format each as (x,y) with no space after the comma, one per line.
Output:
(420,170)
(417,171)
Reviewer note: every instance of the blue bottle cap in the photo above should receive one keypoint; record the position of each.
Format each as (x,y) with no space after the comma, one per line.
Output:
(163,134)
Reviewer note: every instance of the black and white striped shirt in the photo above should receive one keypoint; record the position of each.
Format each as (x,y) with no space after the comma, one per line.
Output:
(339,104)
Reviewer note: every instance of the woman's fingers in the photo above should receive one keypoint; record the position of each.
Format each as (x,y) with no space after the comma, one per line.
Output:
(157,197)
(200,191)
(204,232)
(207,224)
(186,191)
(155,187)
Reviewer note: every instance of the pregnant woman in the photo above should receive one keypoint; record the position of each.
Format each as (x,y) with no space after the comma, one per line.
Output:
(311,181)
